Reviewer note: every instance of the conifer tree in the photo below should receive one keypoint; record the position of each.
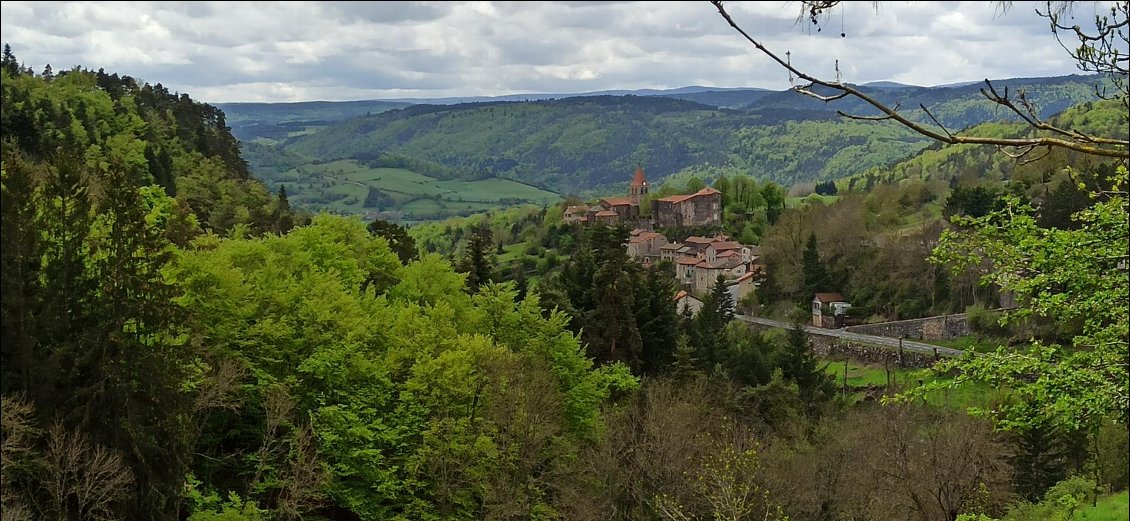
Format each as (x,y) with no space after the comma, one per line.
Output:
(476,261)
(816,277)
(717,311)
(799,363)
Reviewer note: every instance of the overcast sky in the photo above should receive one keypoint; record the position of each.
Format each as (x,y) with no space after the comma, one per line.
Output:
(302,51)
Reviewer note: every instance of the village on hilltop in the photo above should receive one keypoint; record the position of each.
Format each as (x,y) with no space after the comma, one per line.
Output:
(698,261)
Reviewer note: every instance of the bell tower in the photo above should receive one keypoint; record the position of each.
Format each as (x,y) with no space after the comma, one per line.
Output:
(638,190)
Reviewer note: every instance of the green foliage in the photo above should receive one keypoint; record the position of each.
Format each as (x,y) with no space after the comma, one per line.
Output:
(1063,276)
(400,383)
(816,278)
(398,239)
(408,191)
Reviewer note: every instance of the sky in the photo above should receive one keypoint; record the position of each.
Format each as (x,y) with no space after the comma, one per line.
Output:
(305,51)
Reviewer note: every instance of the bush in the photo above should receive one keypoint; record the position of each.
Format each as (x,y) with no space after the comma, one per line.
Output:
(985,322)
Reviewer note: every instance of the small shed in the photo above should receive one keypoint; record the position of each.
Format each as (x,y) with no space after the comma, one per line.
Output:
(829,310)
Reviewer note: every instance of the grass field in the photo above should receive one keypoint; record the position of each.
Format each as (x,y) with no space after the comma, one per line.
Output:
(1109,508)
(342,186)
(860,376)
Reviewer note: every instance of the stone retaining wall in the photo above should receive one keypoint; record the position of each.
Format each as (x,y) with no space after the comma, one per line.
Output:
(829,347)
(943,327)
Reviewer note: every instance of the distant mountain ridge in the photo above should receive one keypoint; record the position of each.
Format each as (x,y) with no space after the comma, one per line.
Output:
(575,144)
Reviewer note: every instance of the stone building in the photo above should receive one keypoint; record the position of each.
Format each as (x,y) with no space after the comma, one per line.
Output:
(646,246)
(702,208)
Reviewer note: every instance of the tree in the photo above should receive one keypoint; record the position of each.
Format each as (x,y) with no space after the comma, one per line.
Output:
(799,363)
(1073,277)
(976,201)
(398,239)
(717,311)
(476,260)
(1099,51)
(282,218)
(816,278)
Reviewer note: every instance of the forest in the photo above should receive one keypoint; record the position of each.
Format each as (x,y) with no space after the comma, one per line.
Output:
(578,145)
(179,343)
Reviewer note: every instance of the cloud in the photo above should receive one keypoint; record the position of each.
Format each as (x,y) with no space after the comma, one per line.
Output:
(292,51)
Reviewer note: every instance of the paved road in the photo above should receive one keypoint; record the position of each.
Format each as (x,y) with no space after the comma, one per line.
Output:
(908,345)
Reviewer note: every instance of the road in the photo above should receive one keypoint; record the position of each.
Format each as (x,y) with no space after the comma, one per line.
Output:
(908,345)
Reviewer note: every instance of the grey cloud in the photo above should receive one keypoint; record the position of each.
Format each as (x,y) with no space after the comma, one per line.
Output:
(387,12)
(258,50)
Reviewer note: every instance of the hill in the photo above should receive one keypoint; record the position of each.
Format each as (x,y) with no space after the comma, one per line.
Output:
(278,121)
(586,144)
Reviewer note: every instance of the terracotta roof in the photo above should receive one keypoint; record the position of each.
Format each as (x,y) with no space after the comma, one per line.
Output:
(748,275)
(619,201)
(680,294)
(675,198)
(671,246)
(689,261)
(726,245)
(727,253)
(607,213)
(700,240)
(706,265)
(644,236)
(575,209)
(825,298)
(639,179)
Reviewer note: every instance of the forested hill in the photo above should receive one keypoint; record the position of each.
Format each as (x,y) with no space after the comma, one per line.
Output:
(275,120)
(957,107)
(578,143)
(967,165)
(118,130)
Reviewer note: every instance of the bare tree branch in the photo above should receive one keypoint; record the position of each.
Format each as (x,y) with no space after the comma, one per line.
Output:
(1070,140)
(862,118)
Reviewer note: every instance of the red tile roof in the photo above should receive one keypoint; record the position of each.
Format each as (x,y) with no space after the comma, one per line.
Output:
(689,261)
(619,201)
(644,236)
(825,298)
(726,245)
(606,213)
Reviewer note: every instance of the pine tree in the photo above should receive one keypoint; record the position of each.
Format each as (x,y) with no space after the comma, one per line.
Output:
(799,364)
(476,261)
(402,244)
(282,217)
(717,311)
(686,364)
(657,319)
(816,277)
(21,251)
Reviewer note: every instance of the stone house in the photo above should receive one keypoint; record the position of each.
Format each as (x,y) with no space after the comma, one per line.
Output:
(646,246)
(686,300)
(702,208)
(575,214)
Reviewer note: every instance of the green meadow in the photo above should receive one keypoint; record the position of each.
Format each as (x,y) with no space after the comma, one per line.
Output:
(344,186)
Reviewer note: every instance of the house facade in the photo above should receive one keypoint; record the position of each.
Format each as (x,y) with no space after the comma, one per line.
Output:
(702,208)
(829,310)
(646,246)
